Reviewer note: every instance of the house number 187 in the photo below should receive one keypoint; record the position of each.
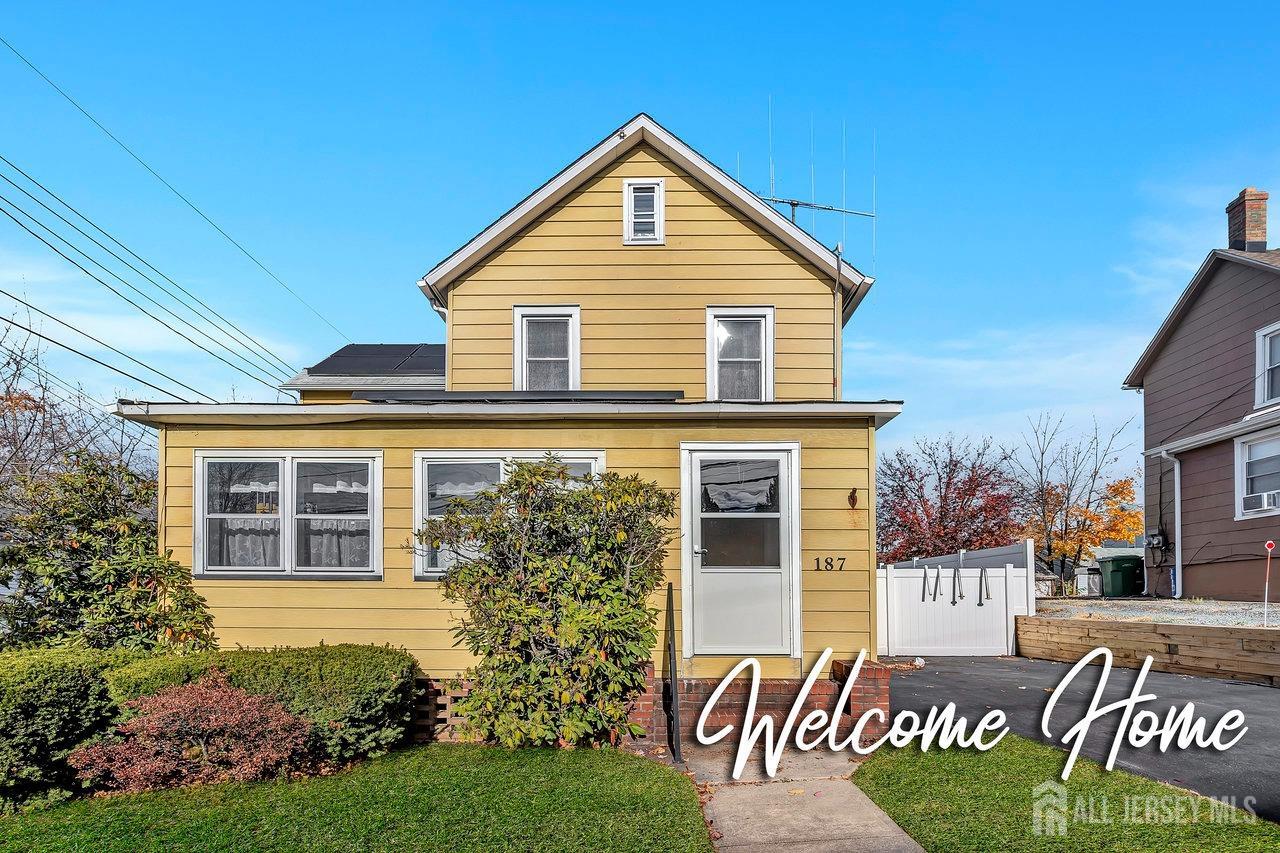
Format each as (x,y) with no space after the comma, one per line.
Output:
(828,564)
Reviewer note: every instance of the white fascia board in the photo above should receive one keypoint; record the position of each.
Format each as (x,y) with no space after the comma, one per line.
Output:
(344,382)
(641,128)
(1252,423)
(160,414)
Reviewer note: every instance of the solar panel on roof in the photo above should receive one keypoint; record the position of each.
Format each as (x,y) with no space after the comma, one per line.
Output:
(382,360)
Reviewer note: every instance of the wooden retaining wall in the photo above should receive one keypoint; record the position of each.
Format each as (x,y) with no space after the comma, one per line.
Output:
(1240,654)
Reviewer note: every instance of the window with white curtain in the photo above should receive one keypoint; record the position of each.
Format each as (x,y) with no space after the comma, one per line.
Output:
(443,475)
(740,354)
(546,344)
(270,514)
(643,214)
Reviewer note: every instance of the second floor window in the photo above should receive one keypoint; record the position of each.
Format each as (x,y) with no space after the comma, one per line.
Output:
(1267,366)
(740,354)
(642,213)
(546,344)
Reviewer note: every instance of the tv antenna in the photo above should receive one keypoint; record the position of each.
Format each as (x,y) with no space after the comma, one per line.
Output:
(795,203)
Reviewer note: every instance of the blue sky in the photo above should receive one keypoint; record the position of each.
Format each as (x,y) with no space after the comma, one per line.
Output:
(1046,182)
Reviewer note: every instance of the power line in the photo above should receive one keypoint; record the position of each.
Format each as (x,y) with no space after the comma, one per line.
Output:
(101,342)
(235,354)
(244,337)
(69,260)
(95,360)
(26,365)
(170,187)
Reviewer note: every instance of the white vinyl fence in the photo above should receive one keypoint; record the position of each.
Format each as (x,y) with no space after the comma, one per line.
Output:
(955,604)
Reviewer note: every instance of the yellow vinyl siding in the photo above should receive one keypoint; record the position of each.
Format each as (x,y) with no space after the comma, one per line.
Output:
(643,308)
(837,607)
(326,396)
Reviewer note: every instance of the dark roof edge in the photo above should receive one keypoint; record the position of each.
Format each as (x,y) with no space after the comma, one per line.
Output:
(392,395)
(1136,375)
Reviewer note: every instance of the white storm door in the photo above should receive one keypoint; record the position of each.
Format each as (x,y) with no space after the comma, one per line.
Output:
(740,535)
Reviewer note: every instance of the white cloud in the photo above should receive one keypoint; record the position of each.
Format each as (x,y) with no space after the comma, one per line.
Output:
(1190,220)
(992,381)
(90,310)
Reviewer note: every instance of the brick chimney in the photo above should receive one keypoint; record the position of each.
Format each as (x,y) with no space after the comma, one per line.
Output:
(1247,221)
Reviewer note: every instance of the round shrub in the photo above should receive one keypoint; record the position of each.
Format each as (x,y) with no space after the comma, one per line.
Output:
(50,700)
(196,733)
(555,572)
(358,698)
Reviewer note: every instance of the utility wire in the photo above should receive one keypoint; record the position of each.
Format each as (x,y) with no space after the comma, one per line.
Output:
(101,342)
(95,360)
(28,366)
(170,187)
(117,292)
(244,337)
(254,365)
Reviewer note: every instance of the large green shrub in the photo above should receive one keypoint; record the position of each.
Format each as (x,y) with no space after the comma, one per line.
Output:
(555,573)
(84,568)
(359,699)
(50,700)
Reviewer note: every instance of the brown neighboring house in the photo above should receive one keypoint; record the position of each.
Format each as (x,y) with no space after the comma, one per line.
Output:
(1210,380)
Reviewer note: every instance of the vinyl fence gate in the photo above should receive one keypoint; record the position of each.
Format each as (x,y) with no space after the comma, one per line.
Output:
(956,604)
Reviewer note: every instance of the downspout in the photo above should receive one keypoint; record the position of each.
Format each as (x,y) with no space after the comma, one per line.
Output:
(1177,522)
(837,344)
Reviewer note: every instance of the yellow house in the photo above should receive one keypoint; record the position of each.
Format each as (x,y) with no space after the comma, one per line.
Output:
(640,312)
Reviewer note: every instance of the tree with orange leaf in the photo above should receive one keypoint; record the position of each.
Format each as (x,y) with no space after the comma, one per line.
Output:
(1072,501)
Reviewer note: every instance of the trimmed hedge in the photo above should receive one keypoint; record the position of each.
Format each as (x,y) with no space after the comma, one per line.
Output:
(50,700)
(359,699)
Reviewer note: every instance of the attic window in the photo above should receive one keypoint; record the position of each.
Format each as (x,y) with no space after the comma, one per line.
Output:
(642,211)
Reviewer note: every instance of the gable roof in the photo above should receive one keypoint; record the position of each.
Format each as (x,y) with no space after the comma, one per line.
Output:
(644,128)
(1262,260)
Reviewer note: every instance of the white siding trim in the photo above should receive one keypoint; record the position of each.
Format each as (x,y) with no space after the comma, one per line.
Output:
(287,459)
(1260,366)
(659,208)
(519,313)
(765,312)
(1241,446)
(687,449)
(503,456)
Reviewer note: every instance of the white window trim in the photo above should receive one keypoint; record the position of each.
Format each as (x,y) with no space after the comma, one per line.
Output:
(1260,366)
(714,313)
(1241,445)
(519,314)
(288,559)
(503,456)
(659,207)
(687,520)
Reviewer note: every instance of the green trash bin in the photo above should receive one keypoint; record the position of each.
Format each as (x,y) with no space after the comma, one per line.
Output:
(1121,576)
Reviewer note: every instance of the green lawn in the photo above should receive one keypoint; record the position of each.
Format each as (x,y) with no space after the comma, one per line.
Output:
(437,797)
(964,800)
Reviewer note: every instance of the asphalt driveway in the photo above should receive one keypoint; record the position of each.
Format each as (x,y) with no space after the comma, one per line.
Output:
(1021,688)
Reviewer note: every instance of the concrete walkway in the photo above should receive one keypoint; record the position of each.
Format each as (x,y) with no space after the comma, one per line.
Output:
(810,805)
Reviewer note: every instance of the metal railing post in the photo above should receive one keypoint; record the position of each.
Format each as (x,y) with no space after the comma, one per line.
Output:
(673,679)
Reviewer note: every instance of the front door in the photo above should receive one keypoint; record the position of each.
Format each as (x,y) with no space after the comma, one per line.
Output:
(741,540)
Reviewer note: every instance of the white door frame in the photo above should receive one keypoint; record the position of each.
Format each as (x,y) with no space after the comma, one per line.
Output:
(687,520)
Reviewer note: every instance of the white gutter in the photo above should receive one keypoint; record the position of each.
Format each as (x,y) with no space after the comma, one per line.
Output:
(1177,521)
(248,414)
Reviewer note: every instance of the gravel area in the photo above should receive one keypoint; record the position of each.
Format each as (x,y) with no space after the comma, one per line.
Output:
(1241,614)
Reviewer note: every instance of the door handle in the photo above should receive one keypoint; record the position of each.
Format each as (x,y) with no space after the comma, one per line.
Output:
(700,552)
